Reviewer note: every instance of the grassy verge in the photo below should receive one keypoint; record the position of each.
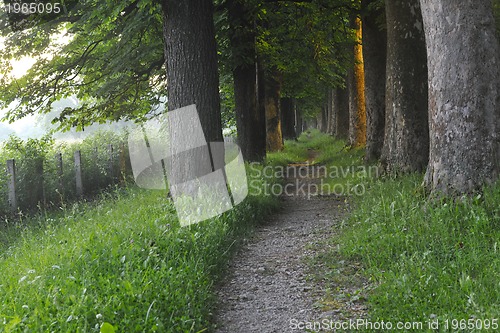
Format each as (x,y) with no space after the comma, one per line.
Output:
(118,264)
(430,264)
(430,261)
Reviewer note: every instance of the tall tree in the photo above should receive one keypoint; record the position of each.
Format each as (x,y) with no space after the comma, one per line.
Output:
(464,99)
(191,61)
(341,110)
(374,57)
(356,85)
(250,121)
(272,95)
(406,141)
(288,118)
(330,128)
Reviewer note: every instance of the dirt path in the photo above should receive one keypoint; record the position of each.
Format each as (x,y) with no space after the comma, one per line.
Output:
(269,286)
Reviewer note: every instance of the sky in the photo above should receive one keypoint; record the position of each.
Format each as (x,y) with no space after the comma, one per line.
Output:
(26,126)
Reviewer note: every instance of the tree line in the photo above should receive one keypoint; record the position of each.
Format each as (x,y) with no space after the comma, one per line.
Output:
(415,82)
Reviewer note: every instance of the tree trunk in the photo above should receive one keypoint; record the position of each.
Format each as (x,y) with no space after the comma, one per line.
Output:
(272,87)
(321,119)
(299,127)
(251,123)
(374,56)
(464,100)
(288,118)
(191,61)
(341,110)
(406,141)
(330,128)
(356,83)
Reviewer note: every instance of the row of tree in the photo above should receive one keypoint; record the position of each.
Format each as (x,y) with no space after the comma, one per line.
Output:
(414,81)
(431,76)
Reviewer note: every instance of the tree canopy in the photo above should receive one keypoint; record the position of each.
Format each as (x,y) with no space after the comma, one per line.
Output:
(107,54)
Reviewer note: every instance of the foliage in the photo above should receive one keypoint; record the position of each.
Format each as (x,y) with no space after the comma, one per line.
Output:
(121,263)
(112,65)
(308,43)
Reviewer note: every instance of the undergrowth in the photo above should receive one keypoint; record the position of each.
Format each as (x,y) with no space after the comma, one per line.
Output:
(429,261)
(118,264)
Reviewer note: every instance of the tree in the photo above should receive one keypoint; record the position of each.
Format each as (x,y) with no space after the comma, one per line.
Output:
(374,56)
(464,99)
(191,61)
(356,88)
(250,121)
(304,44)
(288,118)
(341,112)
(406,141)
(272,105)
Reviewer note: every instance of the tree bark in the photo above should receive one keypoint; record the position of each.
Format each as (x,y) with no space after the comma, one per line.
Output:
(356,83)
(321,119)
(464,100)
(406,141)
(288,118)
(299,127)
(374,56)
(341,111)
(272,87)
(250,122)
(330,128)
(191,62)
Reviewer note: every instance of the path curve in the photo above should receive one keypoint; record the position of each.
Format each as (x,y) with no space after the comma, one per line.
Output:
(267,289)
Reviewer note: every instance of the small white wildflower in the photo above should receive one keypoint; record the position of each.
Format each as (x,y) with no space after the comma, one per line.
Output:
(98,316)
(22,279)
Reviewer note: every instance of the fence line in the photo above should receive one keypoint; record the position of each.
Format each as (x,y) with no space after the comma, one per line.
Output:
(37,191)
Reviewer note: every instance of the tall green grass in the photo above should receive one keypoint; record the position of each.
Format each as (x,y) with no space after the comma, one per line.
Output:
(121,263)
(427,259)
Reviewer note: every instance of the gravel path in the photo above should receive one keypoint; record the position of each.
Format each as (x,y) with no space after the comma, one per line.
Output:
(267,288)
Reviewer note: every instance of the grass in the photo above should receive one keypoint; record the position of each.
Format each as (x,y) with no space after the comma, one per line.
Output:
(119,264)
(122,263)
(426,261)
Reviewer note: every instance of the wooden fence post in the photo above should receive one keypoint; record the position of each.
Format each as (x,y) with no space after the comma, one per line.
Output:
(59,167)
(111,164)
(11,171)
(123,163)
(78,173)
(40,184)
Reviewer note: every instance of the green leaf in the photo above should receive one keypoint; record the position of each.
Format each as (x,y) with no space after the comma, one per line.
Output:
(107,328)
(12,324)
